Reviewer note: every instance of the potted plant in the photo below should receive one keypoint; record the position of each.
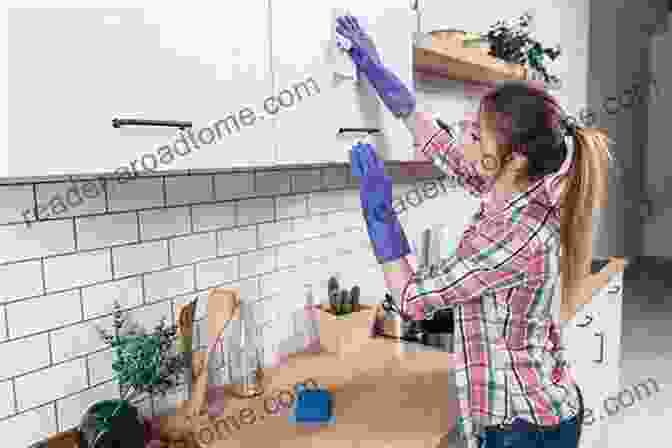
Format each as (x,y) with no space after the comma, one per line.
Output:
(512,42)
(345,324)
(144,363)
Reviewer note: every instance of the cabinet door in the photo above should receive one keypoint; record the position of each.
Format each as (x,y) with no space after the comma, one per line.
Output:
(304,54)
(196,61)
(594,348)
(582,350)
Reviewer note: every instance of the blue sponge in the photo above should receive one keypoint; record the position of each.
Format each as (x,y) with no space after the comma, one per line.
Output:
(312,406)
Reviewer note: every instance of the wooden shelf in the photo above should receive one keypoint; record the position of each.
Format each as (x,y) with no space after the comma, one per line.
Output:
(447,58)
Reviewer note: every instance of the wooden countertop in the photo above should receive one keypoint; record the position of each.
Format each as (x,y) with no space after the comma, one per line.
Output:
(383,397)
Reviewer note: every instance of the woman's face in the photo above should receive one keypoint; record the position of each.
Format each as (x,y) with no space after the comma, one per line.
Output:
(481,145)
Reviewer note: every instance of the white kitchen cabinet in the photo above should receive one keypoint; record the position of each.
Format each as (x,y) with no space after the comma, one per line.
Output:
(303,48)
(594,347)
(73,70)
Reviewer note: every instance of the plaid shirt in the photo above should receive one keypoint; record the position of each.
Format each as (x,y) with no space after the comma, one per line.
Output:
(500,282)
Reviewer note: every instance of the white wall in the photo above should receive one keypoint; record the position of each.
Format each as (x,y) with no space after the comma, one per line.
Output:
(619,46)
(658,156)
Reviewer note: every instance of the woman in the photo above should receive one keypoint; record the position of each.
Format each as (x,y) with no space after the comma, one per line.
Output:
(513,385)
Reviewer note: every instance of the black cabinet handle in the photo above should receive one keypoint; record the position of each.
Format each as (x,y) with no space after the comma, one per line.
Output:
(602,347)
(119,122)
(359,130)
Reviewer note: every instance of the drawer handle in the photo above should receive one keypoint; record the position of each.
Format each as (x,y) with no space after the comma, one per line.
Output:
(589,320)
(602,345)
(119,122)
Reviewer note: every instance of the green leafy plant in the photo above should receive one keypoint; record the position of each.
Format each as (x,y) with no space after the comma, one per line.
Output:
(512,42)
(143,362)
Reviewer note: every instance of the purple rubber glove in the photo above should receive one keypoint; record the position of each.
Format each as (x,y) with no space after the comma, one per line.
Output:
(394,94)
(385,232)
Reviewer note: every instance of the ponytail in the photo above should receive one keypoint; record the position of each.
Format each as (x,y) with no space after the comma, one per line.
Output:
(586,190)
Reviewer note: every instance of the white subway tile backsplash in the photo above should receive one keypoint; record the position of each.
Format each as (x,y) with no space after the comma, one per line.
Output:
(63,379)
(312,227)
(42,313)
(254,211)
(181,190)
(67,199)
(233,186)
(123,253)
(6,399)
(164,223)
(71,409)
(40,239)
(255,263)
(276,282)
(99,299)
(300,253)
(80,339)
(15,200)
(235,241)
(275,233)
(28,428)
(94,232)
(291,206)
(213,216)
(100,366)
(134,194)
(336,176)
(249,288)
(272,182)
(170,283)
(3,324)
(139,258)
(343,220)
(71,271)
(14,353)
(333,200)
(19,280)
(149,316)
(193,248)
(214,272)
(304,181)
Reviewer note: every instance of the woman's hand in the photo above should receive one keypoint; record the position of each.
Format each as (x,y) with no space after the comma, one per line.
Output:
(393,93)
(362,49)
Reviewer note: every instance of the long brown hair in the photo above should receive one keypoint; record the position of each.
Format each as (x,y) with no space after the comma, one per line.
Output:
(534,125)
(586,190)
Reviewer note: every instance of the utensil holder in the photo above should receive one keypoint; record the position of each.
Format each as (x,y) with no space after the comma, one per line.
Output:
(348,332)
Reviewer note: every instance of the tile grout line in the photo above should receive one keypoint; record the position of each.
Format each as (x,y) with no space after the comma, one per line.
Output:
(6,319)
(137,220)
(74,233)
(111,263)
(86,368)
(16,400)
(164,191)
(44,277)
(81,301)
(51,349)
